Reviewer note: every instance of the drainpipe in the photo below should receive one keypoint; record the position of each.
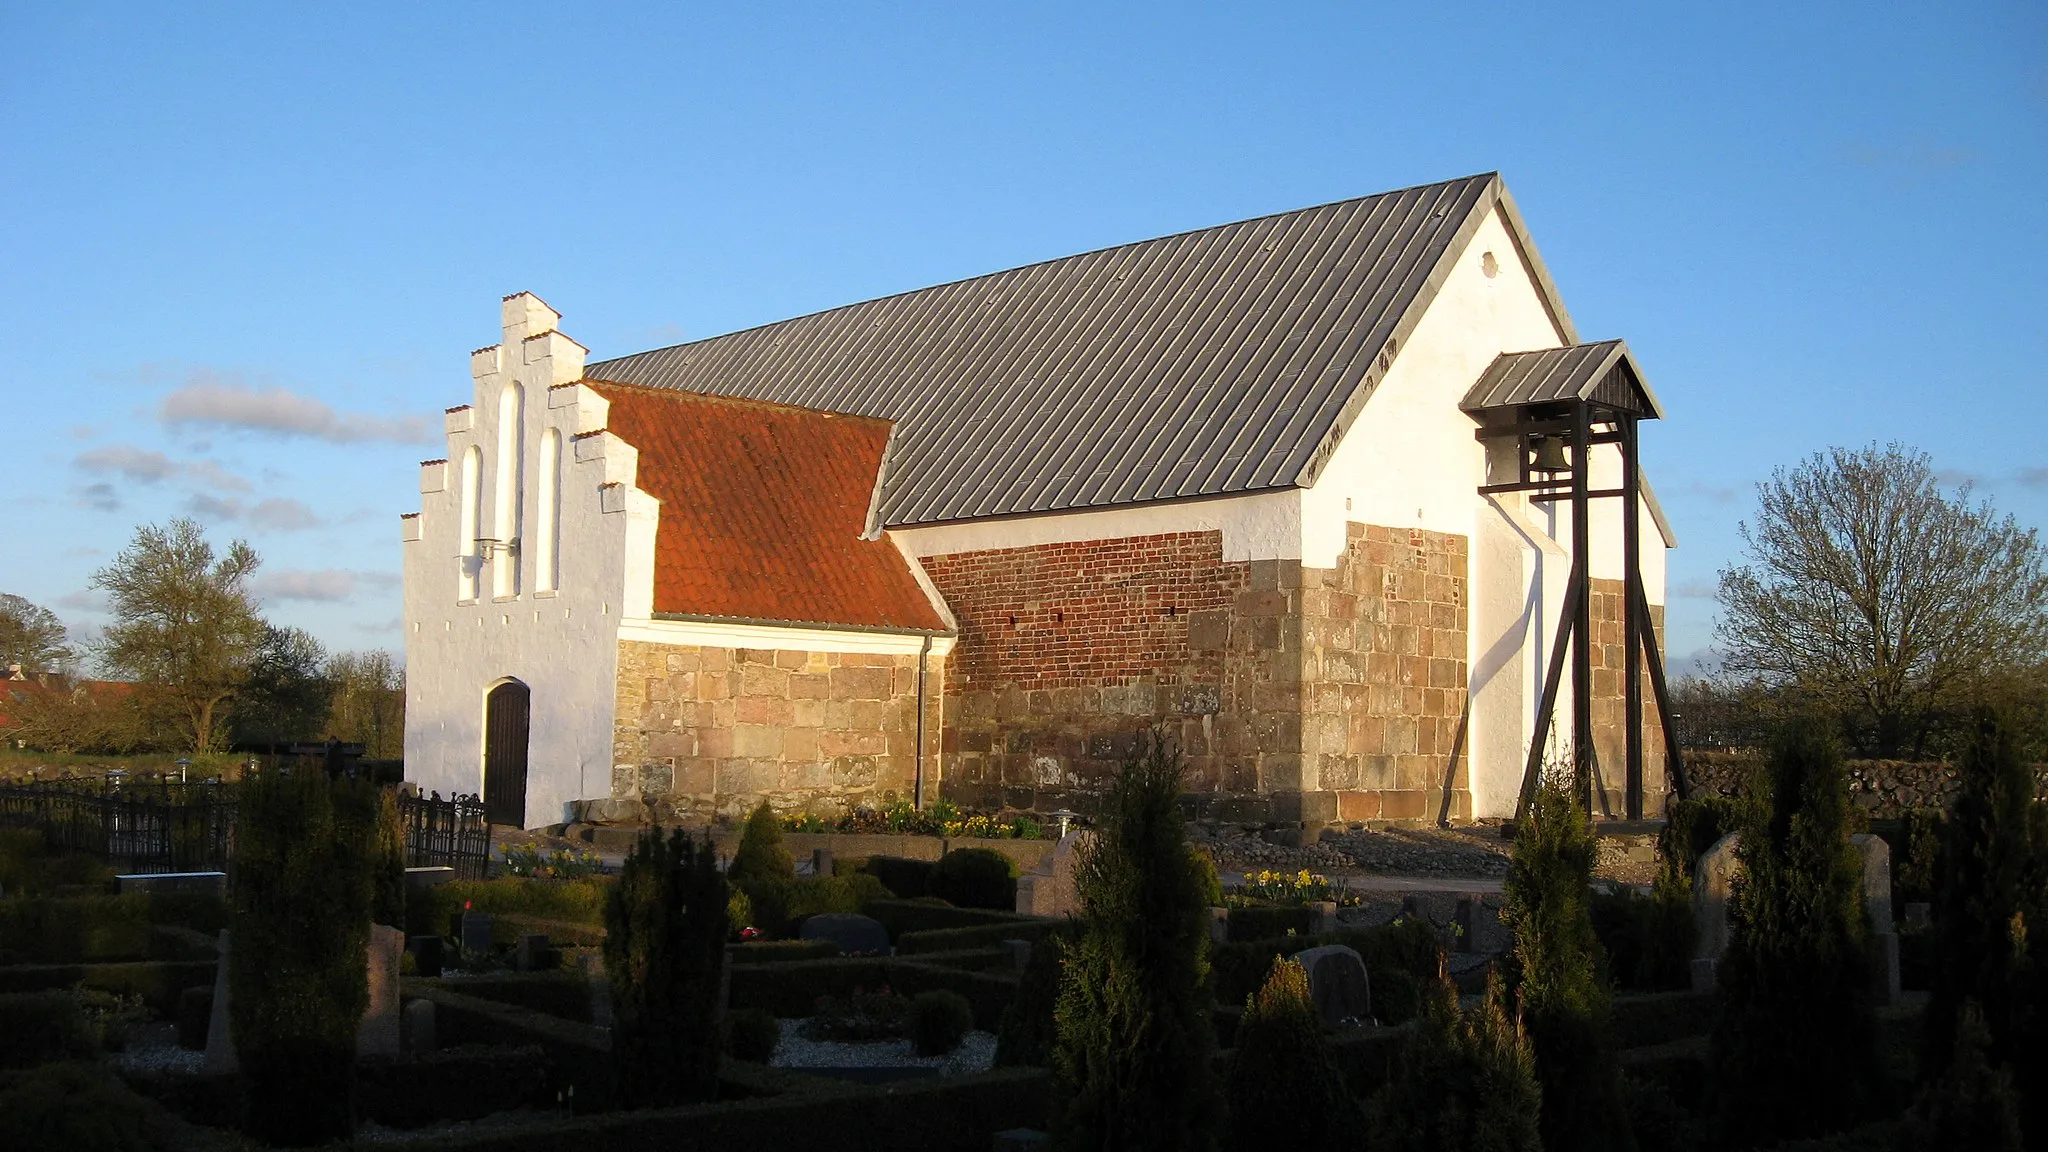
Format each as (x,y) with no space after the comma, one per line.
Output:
(917,787)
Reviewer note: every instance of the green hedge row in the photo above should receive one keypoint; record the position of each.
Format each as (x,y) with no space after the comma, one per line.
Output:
(901,916)
(41,1027)
(780,951)
(157,982)
(1407,946)
(1269,923)
(101,929)
(428,910)
(565,995)
(792,989)
(974,936)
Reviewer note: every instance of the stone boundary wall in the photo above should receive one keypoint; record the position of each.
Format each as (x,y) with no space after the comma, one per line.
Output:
(1884,788)
(704,732)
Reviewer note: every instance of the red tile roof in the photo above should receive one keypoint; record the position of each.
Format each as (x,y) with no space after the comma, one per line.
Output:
(763,507)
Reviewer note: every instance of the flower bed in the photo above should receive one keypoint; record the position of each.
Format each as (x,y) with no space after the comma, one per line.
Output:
(941,819)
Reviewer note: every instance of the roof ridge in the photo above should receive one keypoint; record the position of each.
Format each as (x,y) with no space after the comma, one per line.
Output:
(1480,176)
(656,390)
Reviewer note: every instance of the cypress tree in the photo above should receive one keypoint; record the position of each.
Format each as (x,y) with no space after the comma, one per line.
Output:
(1563,1001)
(1133,1044)
(387,901)
(1282,1088)
(1991,873)
(299,926)
(1794,1052)
(665,930)
(1465,1083)
(762,868)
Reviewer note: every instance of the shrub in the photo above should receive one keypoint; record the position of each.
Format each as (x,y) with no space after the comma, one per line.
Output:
(939,1020)
(908,879)
(1282,1088)
(1466,1083)
(1648,940)
(761,867)
(301,893)
(41,1027)
(1972,1104)
(66,930)
(1794,1052)
(1026,1034)
(859,1017)
(429,910)
(1991,904)
(1396,996)
(975,878)
(1555,968)
(1260,922)
(387,894)
(1138,970)
(71,1108)
(973,936)
(810,895)
(1406,946)
(777,951)
(751,1035)
(1205,875)
(665,931)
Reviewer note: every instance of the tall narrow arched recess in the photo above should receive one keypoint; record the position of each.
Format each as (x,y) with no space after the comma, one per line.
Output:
(469,562)
(508,710)
(511,478)
(547,545)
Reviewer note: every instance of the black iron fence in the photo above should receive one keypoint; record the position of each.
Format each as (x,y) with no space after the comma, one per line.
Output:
(170,826)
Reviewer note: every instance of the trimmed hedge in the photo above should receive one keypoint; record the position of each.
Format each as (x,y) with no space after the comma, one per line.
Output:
(428,910)
(578,1055)
(908,879)
(158,982)
(565,995)
(791,990)
(901,916)
(75,1108)
(89,929)
(975,878)
(780,951)
(977,936)
(462,1083)
(41,1027)
(1269,923)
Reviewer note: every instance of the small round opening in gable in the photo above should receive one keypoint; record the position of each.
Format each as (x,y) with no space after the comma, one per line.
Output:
(1489,265)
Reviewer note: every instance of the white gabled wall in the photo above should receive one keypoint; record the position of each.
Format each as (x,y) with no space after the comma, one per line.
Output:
(561,643)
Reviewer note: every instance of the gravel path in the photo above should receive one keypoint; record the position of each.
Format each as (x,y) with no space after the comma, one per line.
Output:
(977,1053)
(1475,851)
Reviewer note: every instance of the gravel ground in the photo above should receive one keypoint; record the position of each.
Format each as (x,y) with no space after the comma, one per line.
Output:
(977,1053)
(1464,852)
(154,1049)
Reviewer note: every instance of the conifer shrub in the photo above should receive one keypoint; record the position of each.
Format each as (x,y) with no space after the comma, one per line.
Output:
(1971,1104)
(1206,875)
(975,878)
(1555,967)
(1464,1084)
(41,1027)
(1990,912)
(665,932)
(1026,1034)
(1133,1042)
(939,1020)
(1282,1087)
(72,1107)
(751,1034)
(1794,1051)
(300,898)
(762,868)
(387,895)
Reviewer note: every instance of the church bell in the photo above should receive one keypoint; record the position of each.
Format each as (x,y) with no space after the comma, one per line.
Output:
(1550,455)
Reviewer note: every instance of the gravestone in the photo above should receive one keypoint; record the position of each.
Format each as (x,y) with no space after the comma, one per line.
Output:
(530,954)
(1877,909)
(855,934)
(1219,926)
(1052,882)
(418,1017)
(821,861)
(1020,954)
(428,953)
(1711,886)
(1324,913)
(601,988)
(182,883)
(422,878)
(1337,983)
(220,1043)
(378,1034)
(474,932)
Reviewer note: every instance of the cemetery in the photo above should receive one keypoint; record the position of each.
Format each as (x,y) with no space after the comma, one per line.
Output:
(732,985)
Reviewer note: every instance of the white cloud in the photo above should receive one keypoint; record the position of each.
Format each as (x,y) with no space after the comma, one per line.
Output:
(327,585)
(283,514)
(101,496)
(147,466)
(209,399)
(88,600)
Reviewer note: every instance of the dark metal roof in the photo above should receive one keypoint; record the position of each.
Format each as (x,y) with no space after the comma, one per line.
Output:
(1225,360)
(1603,372)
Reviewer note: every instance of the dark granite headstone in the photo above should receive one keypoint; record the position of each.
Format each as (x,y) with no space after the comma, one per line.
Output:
(1337,982)
(856,935)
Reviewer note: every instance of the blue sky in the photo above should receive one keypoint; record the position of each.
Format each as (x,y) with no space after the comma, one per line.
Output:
(247,250)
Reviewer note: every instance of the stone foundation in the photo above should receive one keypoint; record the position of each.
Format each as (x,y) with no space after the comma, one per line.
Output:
(706,732)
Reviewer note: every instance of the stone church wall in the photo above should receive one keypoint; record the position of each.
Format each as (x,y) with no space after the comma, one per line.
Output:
(706,732)
(1610,726)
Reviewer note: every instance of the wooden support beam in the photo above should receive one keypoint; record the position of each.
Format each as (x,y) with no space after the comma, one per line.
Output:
(1582,652)
(1655,660)
(1547,704)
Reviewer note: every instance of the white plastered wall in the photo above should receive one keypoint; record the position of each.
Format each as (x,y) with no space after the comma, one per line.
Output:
(562,643)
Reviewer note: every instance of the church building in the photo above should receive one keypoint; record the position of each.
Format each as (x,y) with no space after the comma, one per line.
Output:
(1317,495)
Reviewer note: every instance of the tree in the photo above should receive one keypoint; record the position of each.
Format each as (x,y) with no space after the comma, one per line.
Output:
(1879,597)
(1282,1084)
(286,697)
(366,704)
(30,635)
(1132,1052)
(300,904)
(184,626)
(1563,1002)
(1465,1083)
(1794,1051)
(665,929)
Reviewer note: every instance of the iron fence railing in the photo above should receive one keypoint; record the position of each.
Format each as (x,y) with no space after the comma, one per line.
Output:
(170,826)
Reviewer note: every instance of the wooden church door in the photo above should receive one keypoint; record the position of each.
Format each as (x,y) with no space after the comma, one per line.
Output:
(506,712)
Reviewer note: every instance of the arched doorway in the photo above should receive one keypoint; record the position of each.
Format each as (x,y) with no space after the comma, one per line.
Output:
(506,712)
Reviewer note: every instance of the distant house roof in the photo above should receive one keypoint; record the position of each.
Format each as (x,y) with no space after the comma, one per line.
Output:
(1225,360)
(765,511)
